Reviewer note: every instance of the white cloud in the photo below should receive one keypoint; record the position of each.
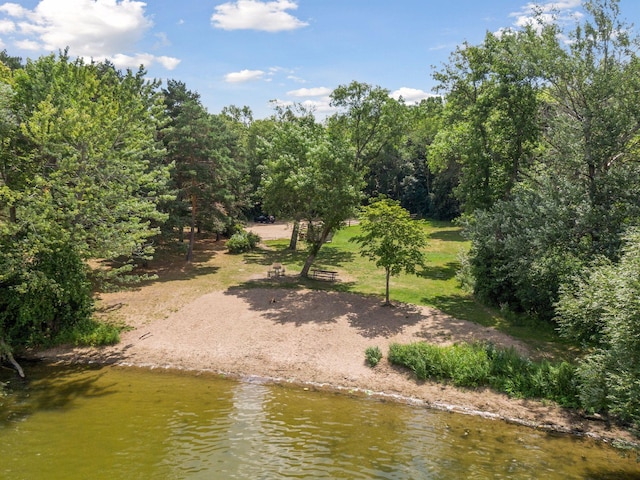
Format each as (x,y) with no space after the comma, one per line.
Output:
(134,61)
(270,16)
(13,9)
(310,92)
(531,13)
(7,26)
(97,29)
(28,45)
(411,95)
(244,76)
(168,62)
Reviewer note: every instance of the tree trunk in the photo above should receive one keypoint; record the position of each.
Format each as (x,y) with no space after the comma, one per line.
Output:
(387,302)
(192,233)
(293,243)
(314,251)
(12,214)
(5,351)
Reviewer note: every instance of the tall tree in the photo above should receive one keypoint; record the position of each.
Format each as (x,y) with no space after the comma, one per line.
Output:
(581,193)
(370,121)
(309,175)
(491,125)
(84,181)
(199,146)
(283,187)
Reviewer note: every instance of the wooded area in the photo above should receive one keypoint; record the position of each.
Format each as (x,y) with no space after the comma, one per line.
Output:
(532,146)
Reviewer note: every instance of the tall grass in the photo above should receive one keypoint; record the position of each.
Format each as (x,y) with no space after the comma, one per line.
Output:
(483,364)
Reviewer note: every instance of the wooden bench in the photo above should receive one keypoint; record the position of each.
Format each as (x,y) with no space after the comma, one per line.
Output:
(323,274)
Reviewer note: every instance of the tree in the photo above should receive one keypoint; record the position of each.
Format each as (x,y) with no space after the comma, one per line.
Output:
(309,175)
(391,239)
(82,175)
(200,147)
(490,120)
(573,199)
(369,120)
(283,189)
(601,307)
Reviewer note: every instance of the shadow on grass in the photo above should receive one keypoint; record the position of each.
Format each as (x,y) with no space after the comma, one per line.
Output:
(329,256)
(539,335)
(448,235)
(440,272)
(463,307)
(325,306)
(169,263)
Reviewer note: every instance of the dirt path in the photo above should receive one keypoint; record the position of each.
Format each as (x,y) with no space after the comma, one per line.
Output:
(317,339)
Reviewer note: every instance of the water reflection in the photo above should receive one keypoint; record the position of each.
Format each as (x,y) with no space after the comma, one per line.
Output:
(114,423)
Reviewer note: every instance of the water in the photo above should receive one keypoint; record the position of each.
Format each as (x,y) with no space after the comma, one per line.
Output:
(113,423)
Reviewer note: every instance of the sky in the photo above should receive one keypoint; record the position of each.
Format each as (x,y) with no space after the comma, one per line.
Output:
(253,52)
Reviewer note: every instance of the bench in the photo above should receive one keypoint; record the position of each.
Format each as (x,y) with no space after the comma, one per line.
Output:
(323,274)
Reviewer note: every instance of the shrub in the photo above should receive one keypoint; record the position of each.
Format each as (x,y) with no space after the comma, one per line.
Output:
(373,355)
(242,242)
(90,333)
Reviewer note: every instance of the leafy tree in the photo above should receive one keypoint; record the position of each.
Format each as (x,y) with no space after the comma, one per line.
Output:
(284,189)
(391,239)
(309,175)
(490,118)
(592,113)
(601,307)
(82,178)
(369,120)
(573,203)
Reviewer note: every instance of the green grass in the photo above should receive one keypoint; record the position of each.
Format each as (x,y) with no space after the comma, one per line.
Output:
(478,364)
(435,286)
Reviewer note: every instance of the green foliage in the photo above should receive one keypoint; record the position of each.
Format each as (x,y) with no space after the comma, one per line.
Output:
(601,307)
(522,248)
(391,239)
(89,333)
(472,365)
(309,175)
(40,297)
(204,151)
(490,121)
(373,355)
(80,179)
(242,242)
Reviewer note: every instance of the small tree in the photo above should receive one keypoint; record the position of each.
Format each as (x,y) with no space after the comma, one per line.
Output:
(391,239)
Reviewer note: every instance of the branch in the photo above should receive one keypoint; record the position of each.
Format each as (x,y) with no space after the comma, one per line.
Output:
(5,351)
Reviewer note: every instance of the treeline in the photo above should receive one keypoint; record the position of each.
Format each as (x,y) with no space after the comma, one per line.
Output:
(532,146)
(542,124)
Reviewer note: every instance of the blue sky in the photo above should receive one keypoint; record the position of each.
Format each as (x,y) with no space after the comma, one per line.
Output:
(248,52)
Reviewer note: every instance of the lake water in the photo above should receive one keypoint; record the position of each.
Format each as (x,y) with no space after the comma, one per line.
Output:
(113,423)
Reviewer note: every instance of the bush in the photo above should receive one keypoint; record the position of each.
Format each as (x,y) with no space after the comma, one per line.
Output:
(243,242)
(90,333)
(373,355)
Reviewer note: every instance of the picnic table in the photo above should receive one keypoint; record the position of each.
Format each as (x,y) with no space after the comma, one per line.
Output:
(320,274)
(276,270)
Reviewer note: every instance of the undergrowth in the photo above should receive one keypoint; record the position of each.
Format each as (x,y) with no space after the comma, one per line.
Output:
(483,364)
